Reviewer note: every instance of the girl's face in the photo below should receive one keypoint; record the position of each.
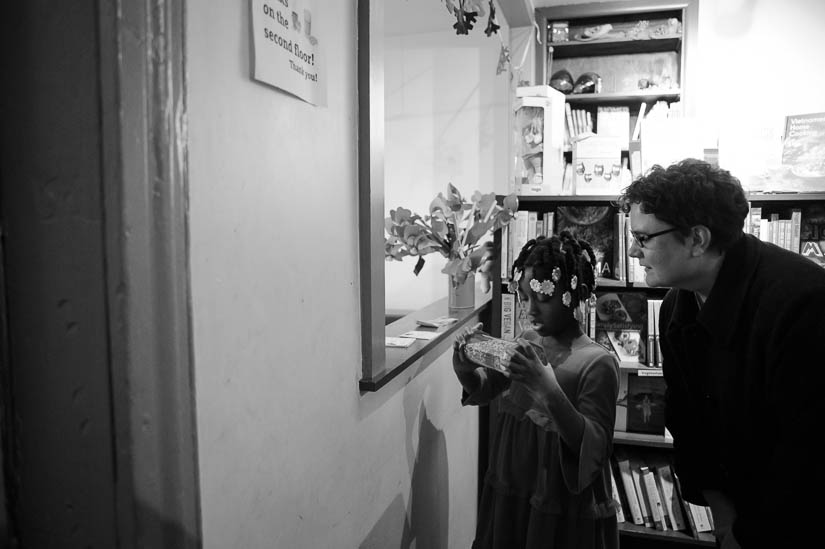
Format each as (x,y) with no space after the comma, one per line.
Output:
(548,314)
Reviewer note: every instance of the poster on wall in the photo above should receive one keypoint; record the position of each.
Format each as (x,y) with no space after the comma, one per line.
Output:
(287,53)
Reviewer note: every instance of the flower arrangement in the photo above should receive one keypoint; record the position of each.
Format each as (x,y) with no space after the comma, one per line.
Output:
(453,228)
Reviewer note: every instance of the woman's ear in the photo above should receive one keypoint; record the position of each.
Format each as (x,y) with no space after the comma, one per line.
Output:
(701,237)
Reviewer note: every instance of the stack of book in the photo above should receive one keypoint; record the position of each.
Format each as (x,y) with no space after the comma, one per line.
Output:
(647,491)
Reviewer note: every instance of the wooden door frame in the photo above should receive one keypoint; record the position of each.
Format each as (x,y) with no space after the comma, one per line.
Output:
(144,140)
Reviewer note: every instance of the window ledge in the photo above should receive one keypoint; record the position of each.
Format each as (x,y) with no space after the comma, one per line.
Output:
(397,360)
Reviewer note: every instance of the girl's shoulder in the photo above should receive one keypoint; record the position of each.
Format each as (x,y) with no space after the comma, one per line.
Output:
(591,352)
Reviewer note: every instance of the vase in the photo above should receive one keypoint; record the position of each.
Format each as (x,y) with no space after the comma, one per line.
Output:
(462,296)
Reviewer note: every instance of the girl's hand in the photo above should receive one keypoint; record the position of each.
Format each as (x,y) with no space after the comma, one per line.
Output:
(461,364)
(527,368)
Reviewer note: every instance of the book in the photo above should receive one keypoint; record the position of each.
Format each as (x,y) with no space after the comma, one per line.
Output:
(796,229)
(812,233)
(595,225)
(670,497)
(651,332)
(641,495)
(617,499)
(637,128)
(645,404)
(701,520)
(621,403)
(621,324)
(803,154)
(518,233)
(657,304)
(654,499)
(508,316)
(505,259)
(626,477)
(626,344)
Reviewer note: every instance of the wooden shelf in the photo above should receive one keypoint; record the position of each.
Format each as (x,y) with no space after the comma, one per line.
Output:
(641,439)
(634,96)
(640,369)
(634,530)
(785,197)
(564,50)
(566,198)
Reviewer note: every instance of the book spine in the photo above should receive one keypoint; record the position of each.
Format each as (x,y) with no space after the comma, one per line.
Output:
(532,222)
(755,221)
(508,316)
(505,252)
(620,423)
(669,497)
(653,498)
(616,498)
(592,321)
(651,333)
(796,224)
(625,472)
(657,304)
(568,113)
(641,496)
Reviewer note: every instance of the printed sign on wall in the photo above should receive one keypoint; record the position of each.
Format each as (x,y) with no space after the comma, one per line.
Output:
(286,53)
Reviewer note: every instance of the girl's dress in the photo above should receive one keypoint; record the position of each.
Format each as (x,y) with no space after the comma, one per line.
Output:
(539,493)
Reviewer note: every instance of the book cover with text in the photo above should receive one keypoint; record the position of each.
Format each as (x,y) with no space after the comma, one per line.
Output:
(595,224)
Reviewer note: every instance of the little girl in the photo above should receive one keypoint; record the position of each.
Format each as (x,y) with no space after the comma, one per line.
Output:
(548,480)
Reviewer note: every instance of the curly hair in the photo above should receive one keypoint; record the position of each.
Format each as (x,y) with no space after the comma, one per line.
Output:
(689,193)
(571,255)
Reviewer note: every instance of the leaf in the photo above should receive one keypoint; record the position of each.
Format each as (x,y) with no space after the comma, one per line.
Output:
(438,204)
(439,227)
(418,266)
(479,230)
(510,203)
(491,24)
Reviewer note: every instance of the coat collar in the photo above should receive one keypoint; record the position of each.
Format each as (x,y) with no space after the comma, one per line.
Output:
(719,315)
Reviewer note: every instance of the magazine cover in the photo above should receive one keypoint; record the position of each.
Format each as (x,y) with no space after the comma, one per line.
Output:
(646,404)
(594,224)
(770,158)
(621,324)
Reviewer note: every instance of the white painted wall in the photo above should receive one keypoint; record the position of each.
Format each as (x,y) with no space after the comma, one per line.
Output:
(291,455)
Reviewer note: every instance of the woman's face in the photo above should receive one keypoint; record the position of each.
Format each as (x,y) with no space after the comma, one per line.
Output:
(663,257)
(548,315)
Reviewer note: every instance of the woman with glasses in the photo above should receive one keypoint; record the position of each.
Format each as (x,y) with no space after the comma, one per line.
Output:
(741,331)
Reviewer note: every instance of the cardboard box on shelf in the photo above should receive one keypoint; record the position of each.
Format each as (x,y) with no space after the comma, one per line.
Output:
(597,165)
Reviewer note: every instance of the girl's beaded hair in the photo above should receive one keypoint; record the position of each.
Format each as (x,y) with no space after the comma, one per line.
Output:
(560,263)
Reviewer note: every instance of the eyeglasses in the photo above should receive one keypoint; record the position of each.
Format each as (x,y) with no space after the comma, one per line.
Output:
(641,239)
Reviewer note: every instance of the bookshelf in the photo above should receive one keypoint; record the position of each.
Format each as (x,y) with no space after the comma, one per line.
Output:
(621,62)
(643,65)
(627,438)
(641,444)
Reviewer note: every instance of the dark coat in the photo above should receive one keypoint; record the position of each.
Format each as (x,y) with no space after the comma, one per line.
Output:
(745,398)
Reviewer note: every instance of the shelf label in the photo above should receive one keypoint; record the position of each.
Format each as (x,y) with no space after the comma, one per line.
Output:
(653,372)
